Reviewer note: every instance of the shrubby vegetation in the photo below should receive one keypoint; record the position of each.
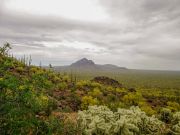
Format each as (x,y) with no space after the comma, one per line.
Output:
(25,103)
(34,100)
(102,121)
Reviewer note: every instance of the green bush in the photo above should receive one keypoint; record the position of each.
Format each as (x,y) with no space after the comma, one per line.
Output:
(175,125)
(62,86)
(20,69)
(96,92)
(174,106)
(133,98)
(87,101)
(166,115)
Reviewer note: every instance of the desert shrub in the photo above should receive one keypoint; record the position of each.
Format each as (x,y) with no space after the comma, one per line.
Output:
(121,90)
(87,101)
(56,79)
(133,98)
(96,92)
(111,98)
(65,78)
(34,69)
(109,88)
(53,77)
(62,86)
(175,125)
(54,125)
(146,108)
(19,109)
(18,114)
(41,82)
(175,129)
(10,82)
(1,59)
(88,85)
(176,117)
(70,128)
(20,69)
(174,106)
(165,115)
(81,84)
(8,63)
(102,121)
(95,84)
(1,83)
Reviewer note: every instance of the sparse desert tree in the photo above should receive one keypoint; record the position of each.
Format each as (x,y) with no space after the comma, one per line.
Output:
(5,49)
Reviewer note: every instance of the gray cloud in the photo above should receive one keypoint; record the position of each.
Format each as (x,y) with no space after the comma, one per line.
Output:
(143,10)
(141,34)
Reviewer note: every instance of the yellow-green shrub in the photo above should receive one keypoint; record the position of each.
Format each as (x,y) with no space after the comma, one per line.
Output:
(20,69)
(133,98)
(173,106)
(88,101)
(96,92)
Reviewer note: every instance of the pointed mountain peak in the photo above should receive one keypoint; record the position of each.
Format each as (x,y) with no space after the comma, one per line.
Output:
(83,62)
(83,59)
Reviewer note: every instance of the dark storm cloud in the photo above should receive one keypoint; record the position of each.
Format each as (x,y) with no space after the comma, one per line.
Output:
(139,32)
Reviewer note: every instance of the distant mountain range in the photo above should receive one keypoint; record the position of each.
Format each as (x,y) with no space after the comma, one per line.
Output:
(88,65)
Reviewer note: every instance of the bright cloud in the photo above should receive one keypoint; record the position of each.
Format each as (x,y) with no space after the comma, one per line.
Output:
(83,10)
(84,46)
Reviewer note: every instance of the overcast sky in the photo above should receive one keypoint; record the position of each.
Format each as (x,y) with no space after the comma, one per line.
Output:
(141,34)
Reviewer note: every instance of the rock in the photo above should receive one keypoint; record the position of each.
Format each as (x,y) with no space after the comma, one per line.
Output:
(107,81)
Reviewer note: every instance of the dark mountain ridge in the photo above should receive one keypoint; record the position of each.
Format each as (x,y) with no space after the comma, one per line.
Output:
(85,64)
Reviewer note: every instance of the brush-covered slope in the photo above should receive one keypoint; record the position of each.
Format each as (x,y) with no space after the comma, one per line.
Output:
(26,98)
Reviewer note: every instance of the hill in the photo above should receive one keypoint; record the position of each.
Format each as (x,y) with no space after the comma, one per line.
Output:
(85,65)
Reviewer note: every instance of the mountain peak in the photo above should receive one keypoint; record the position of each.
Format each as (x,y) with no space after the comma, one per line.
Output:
(83,62)
(84,59)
